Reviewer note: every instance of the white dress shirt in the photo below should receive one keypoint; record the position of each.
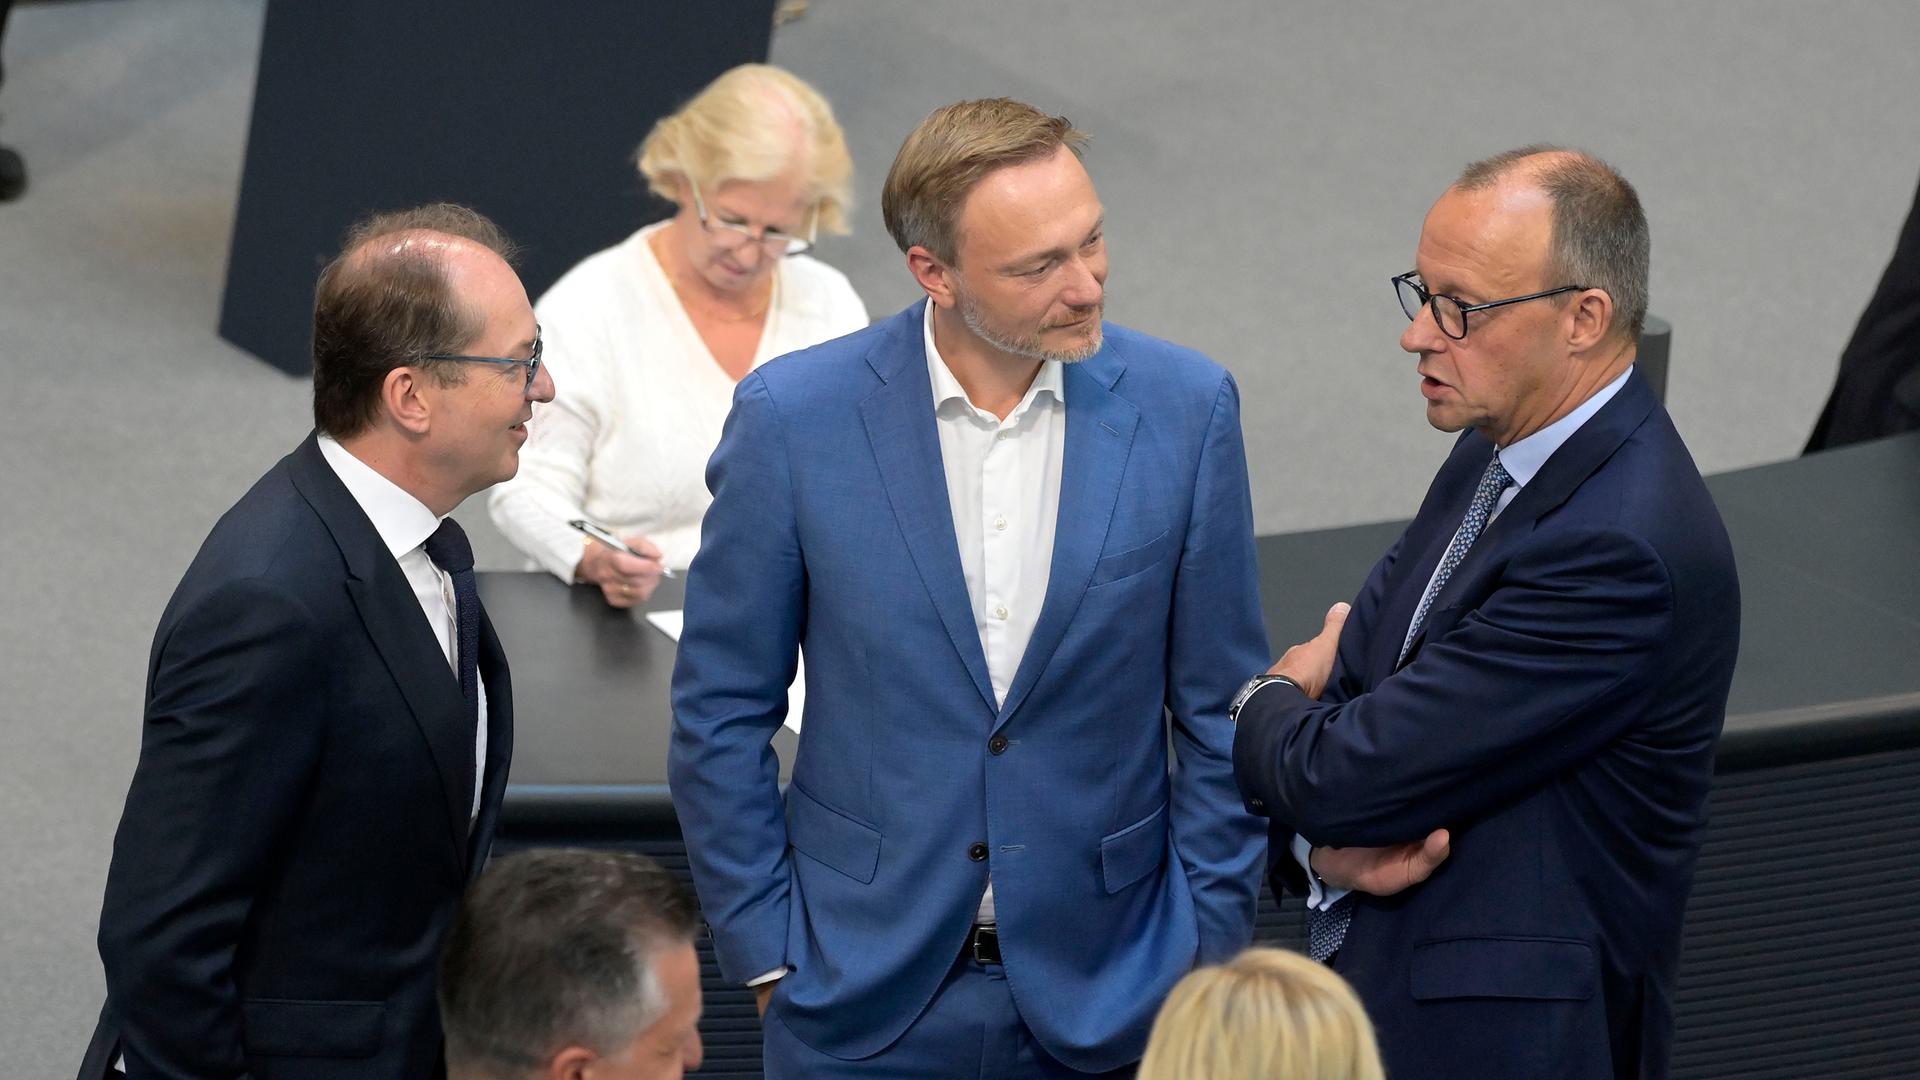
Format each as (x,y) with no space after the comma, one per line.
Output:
(404,524)
(1003,486)
(641,401)
(1523,460)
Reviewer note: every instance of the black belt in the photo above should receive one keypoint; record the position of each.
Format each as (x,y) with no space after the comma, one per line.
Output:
(983,945)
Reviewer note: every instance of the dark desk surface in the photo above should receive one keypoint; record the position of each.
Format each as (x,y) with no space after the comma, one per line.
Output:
(1828,548)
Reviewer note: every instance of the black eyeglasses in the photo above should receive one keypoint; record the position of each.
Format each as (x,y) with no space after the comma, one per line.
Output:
(532,364)
(1449,312)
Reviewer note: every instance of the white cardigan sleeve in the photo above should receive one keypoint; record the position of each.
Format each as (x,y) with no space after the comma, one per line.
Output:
(533,508)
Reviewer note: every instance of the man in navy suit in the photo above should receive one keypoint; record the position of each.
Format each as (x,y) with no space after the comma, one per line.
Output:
(1506,749)
(1016,546)
(328,718)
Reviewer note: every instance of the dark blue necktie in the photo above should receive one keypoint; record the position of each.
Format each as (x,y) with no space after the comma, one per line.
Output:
(450,551)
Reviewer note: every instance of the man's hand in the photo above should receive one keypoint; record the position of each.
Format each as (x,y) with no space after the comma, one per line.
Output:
(762,994)
(623,579)
(1382,871)
(1310,663)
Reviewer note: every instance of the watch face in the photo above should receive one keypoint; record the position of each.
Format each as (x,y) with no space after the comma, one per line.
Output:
(1246,691)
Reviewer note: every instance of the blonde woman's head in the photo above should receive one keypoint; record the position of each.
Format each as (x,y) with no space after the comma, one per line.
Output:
(754,123)
(1268,1014)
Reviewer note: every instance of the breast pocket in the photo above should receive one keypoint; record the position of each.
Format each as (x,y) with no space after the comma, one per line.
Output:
(1133,561)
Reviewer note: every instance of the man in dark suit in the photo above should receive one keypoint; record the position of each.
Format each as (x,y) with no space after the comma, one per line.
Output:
(1877,390)
(13,171)
(329,719)
(1016,542)
(1524,699)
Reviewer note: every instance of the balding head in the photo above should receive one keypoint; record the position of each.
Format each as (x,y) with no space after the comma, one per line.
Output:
(393,296)
(1599,232)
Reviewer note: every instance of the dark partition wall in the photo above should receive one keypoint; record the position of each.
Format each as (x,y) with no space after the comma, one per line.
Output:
(528,112)
(1801,941)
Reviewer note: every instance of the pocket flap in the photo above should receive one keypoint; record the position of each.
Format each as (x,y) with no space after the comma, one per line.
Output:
(1132,561)
(1135,851)
(277,1027)
(831,837)
(1543,969)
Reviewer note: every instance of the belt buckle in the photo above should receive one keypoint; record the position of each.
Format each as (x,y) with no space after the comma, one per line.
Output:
(981,936)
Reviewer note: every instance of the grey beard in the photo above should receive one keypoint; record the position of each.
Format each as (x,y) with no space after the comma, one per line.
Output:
(1026,348)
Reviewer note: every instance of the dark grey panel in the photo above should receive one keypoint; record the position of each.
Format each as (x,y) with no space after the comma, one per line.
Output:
(1802,945)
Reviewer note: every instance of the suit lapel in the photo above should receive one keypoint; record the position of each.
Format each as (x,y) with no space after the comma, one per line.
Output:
(1099,438)
(1565,470)
(1412,584)
(906,448)
(399,632)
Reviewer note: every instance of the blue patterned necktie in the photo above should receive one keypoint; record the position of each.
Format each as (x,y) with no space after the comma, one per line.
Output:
(450,551)
(1492,482)
(1327,927)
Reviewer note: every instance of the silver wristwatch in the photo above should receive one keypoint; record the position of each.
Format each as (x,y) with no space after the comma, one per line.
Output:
(1255,683)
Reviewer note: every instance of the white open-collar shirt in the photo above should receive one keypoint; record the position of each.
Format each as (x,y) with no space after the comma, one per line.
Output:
(1003,487)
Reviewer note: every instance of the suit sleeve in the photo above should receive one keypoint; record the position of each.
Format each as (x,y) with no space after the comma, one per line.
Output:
(1557,662)
(1218,640)
(744,617)
(1344,684)
(232,735)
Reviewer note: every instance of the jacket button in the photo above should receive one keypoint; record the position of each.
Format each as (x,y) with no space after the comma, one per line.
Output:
(997,744)
(978,853)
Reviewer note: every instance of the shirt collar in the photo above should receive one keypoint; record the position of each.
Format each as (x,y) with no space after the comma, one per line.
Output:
(1525,458)
(1050,380)
(403,522)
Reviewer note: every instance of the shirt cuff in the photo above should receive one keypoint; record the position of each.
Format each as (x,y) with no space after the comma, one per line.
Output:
(1319,896)
(772,976)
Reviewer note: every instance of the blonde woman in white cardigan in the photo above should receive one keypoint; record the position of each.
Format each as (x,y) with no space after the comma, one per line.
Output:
(648,337)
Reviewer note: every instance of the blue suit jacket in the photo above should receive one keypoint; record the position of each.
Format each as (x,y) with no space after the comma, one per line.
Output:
(830,530)
(1558,713)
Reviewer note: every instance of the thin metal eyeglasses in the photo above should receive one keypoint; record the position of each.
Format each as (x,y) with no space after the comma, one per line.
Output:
(1449,312)
(532,364)
(771,240)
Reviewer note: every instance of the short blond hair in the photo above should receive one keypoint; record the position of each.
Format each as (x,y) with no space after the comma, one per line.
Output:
(951,151)
(1268,1014)
(754,122)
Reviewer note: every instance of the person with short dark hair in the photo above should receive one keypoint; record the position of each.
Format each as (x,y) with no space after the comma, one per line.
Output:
(328,713)
(1489,774)
(568,965)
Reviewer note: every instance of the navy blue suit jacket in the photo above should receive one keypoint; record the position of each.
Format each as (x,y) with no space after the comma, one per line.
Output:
(296,838)
(1558,713)
(831,531)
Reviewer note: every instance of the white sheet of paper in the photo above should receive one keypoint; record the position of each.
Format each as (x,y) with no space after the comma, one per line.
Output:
(672,622)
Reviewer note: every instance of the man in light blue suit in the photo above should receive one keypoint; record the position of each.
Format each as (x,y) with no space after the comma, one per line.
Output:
(1016,547)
